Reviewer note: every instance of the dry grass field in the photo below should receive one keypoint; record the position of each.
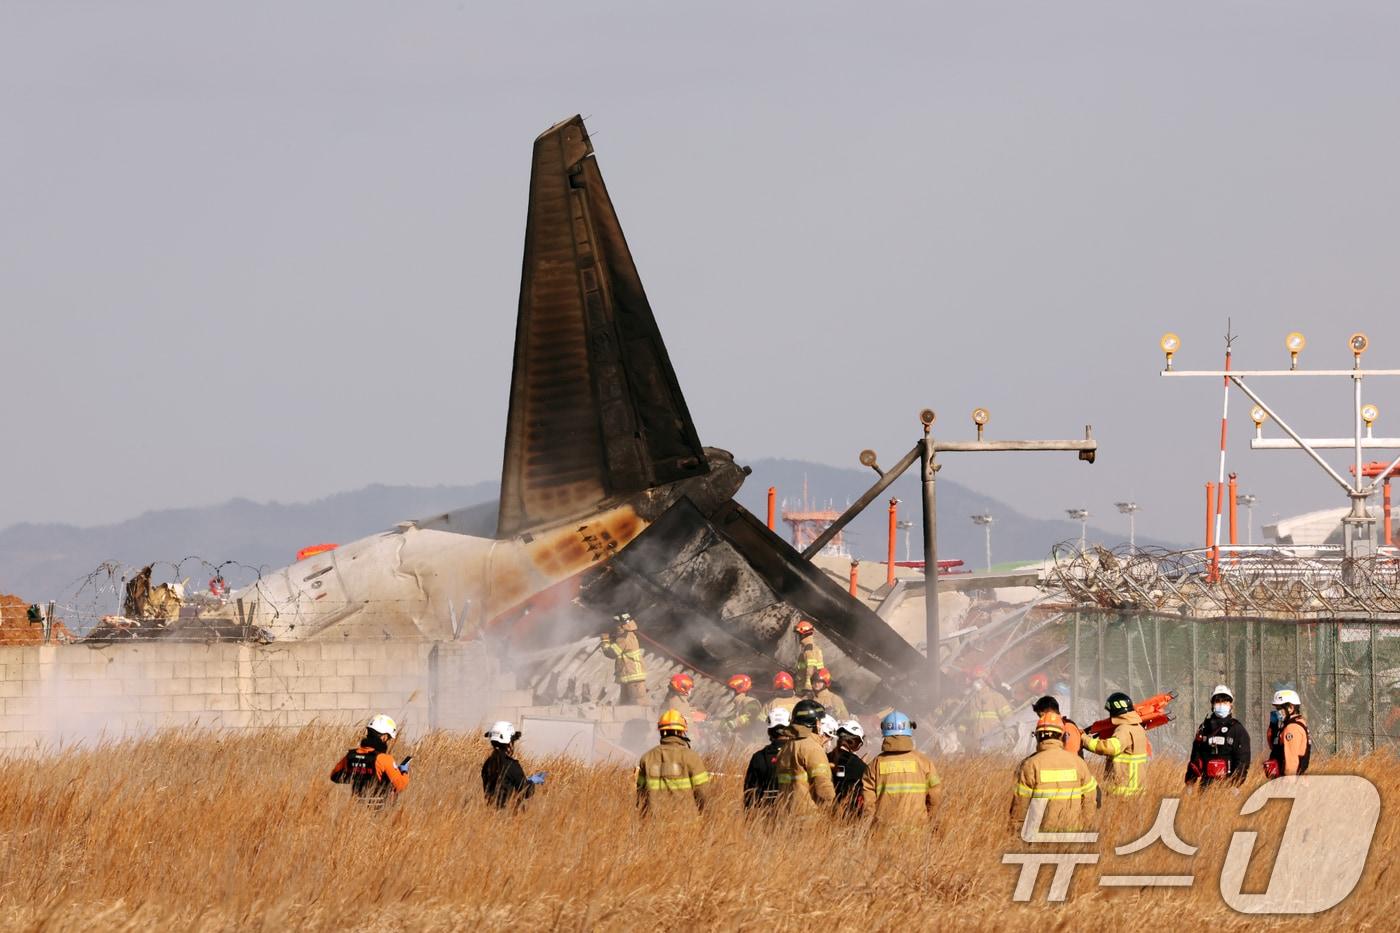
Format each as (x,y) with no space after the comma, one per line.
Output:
(203,831)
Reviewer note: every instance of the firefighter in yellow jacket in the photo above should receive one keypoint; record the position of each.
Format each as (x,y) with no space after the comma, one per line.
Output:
(1058,777)
(810,658)
(804,774)
(990,715)
(671,778)
(901,788)
(626,651)
(1126,749)
(828,698)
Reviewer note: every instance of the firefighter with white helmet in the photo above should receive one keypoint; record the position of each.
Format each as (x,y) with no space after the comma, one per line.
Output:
(826,732)
(847,770)
(671,778)
(373,775)
(1220,751)
(503,780)
(761,776)
(1290,745)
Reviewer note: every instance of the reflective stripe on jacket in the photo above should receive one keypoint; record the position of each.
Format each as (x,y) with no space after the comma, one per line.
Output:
(804,774)
(626,652)
(832,703)
(1063,781)
(810,662)
(900,786)
(1126,751)
(671,778)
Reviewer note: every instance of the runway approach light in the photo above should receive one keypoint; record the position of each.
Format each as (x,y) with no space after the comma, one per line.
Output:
(980,417)
(867,458)
(1358,343)
(926,416)
(1259,416)
(1169,343)
(1369,414)
(1295,343)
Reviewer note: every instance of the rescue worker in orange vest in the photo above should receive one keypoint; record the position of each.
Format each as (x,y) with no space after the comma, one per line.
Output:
(990,713)
(787,697)
(671,778)
(823,694)
(626,651)
(810,659)
(747,715)
(804,774)
(1060,779)
(369,769)
(1290,745)
(1126,749)
(678,694)
(1073,736)
(900,788)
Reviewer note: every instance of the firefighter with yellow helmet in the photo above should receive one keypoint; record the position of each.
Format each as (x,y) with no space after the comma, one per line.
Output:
(629,672)
(1058,777)
(671,778)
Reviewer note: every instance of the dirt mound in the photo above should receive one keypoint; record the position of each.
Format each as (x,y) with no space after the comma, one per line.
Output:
(16,629)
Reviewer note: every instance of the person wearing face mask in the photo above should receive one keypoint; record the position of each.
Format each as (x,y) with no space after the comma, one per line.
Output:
(1221,749)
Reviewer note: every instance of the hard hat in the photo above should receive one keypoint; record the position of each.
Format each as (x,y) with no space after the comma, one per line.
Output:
(503,733)
(980,673)
(682,684)
(896,723)
(779,716)
(782,681)
(828,725)
(1038,683)
(823,675)
(1287,696)
(384,726)
(1118,703)
(804,628)
(808,713)
(671,721)
(852,727)
(1050,721)
(1223,690)
(1060,689)
(625,621)
(741,683)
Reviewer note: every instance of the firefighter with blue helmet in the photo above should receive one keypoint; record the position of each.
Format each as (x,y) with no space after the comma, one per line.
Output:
(901,787)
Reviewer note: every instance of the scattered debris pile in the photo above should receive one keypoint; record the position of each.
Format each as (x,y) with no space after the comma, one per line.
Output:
(23,624)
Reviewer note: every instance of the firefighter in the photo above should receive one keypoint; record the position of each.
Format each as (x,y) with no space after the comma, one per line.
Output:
(990,712)
(1073,735)
(761,777)
(1221,749)
(678,694)
(747,711)
(671,778)
(823,694)
(786,696)
(626,651)
(1290,745)
(900,787)
(826,733)
(503,780)
(847,770)
(369,769)
(810,660)
(1059,778)
(1126,749)
(804,774)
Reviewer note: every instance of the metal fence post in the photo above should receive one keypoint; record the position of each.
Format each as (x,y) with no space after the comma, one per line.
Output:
(1373,685)
(1336,687)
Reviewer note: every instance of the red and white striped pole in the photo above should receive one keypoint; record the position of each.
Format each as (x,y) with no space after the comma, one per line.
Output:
(1220,482)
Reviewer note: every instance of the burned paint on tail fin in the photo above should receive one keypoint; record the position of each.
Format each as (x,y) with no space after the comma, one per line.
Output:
(595,408)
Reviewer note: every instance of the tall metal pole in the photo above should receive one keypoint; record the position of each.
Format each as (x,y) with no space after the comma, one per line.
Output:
(927,469)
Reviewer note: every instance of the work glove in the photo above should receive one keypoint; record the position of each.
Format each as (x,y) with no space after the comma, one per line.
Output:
(403,768)
(536,778)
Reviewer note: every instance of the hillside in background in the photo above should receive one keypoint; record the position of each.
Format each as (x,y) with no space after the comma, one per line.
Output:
(42,562)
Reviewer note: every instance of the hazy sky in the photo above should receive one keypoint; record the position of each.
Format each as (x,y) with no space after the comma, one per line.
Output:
(272,249)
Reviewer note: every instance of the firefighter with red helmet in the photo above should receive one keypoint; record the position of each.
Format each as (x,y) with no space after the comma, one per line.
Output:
(809,653)
(828,698)
(678,694)
(784,694)
(747,714)
(671,778)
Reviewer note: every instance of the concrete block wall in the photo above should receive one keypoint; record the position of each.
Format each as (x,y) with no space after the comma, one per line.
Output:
(62,693)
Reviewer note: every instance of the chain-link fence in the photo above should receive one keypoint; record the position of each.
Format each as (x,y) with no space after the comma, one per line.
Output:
(1344,671)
